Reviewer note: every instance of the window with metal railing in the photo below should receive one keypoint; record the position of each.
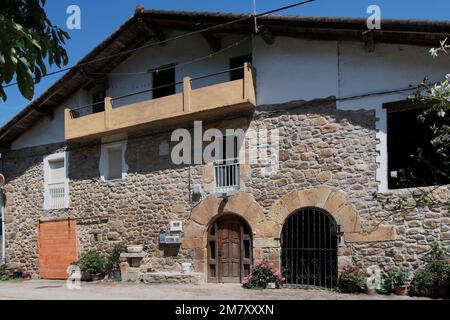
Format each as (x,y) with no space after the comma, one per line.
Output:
(227,169)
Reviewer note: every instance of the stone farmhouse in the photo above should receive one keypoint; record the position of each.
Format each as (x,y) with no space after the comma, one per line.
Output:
(322,103)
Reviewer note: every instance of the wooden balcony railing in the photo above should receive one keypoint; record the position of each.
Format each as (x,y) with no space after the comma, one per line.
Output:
(208,102)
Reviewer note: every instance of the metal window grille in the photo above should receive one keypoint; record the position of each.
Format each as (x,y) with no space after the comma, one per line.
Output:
(227,176)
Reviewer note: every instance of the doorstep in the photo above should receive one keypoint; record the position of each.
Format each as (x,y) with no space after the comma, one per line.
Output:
(173,278)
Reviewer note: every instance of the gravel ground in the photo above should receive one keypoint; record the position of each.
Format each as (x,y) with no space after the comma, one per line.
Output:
(57,290)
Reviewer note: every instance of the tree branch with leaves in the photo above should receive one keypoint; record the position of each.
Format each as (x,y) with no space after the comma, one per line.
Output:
(28,40)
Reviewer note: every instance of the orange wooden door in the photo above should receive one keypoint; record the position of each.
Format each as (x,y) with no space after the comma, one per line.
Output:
(230,251)
(57,248)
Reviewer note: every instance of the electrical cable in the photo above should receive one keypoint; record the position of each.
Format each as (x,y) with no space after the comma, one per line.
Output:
(188,34)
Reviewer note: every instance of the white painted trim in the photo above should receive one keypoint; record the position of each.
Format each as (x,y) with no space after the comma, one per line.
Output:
(103,165)
(47,159)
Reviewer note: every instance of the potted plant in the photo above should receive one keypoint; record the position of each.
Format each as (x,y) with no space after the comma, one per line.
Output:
(92,266)
(5,273)
(422,284)
(112,264)
(385,286)
(351,280)
(400,278)
(433,280)
(263,276)
(136,246)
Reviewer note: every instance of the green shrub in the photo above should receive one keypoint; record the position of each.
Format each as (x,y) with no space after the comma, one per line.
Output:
(5,274)
(263,274)
(422,283)
(400,277)
(351,280)
(434,276)
(112,262)
(92,263)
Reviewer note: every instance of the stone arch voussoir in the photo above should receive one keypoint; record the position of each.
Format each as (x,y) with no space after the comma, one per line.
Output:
(333,202)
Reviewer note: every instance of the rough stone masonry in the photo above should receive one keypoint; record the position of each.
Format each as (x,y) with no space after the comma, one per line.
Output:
(321,149)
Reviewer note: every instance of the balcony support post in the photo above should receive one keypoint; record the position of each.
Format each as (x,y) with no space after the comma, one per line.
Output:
(249,85)
(108,110)
(187,88)
(67,118)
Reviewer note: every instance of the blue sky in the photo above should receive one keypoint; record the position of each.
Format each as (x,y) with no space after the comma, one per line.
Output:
(99,18)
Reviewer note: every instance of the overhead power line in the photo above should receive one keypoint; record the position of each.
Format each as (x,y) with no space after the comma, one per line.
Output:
(188,34)
(177,66)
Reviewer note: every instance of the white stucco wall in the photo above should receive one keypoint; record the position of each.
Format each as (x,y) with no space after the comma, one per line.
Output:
(295,69)
(291,69)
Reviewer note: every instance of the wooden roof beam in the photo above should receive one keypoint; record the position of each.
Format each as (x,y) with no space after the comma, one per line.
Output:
(266,34)
(369,40)
(152,30)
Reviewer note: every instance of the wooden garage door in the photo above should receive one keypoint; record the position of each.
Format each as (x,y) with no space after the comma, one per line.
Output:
(57,248)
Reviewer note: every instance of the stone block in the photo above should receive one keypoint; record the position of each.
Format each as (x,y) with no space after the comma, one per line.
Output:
(383,233)
(265,243)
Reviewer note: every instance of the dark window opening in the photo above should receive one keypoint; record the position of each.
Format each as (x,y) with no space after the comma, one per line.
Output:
(164,82)
(237,63)
(406,135)
(246,249)
(212,245)
(98,101)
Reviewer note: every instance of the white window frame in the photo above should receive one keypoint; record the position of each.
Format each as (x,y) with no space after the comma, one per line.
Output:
(104,160)
(54,157)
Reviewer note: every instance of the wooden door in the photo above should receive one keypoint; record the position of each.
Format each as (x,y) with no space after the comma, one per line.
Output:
(57,248)
(230,251)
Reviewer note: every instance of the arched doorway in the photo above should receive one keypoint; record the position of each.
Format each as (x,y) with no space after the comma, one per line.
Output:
(309,245)
(229,250)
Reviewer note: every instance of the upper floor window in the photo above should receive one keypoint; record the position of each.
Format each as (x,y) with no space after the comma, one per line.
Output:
(164,82)
(98,101)
(56,181)
(112,162)
(409,141)
(238,62)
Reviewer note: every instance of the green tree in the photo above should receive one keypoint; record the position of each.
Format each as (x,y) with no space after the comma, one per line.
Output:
(27,40)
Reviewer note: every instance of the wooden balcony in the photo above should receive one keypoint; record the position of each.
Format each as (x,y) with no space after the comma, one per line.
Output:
(207,103)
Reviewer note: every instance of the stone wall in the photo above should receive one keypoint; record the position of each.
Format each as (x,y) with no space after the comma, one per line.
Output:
(320,147)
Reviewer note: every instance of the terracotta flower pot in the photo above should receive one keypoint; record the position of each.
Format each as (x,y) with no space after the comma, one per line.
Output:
(400,290)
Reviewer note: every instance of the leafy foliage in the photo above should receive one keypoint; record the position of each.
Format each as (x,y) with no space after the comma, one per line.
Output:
(5,274)
(112,262)
(434,157)
(91,262)
(263,274)
(27,39)
(351,280)
(435,275)
(400,277)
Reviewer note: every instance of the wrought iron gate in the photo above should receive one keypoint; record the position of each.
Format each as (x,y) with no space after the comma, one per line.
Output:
(309,249)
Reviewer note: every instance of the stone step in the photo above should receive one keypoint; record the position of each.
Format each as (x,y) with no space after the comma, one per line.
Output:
(173,277)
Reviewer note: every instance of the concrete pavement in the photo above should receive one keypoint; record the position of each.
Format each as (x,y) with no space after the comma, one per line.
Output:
(57,290)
